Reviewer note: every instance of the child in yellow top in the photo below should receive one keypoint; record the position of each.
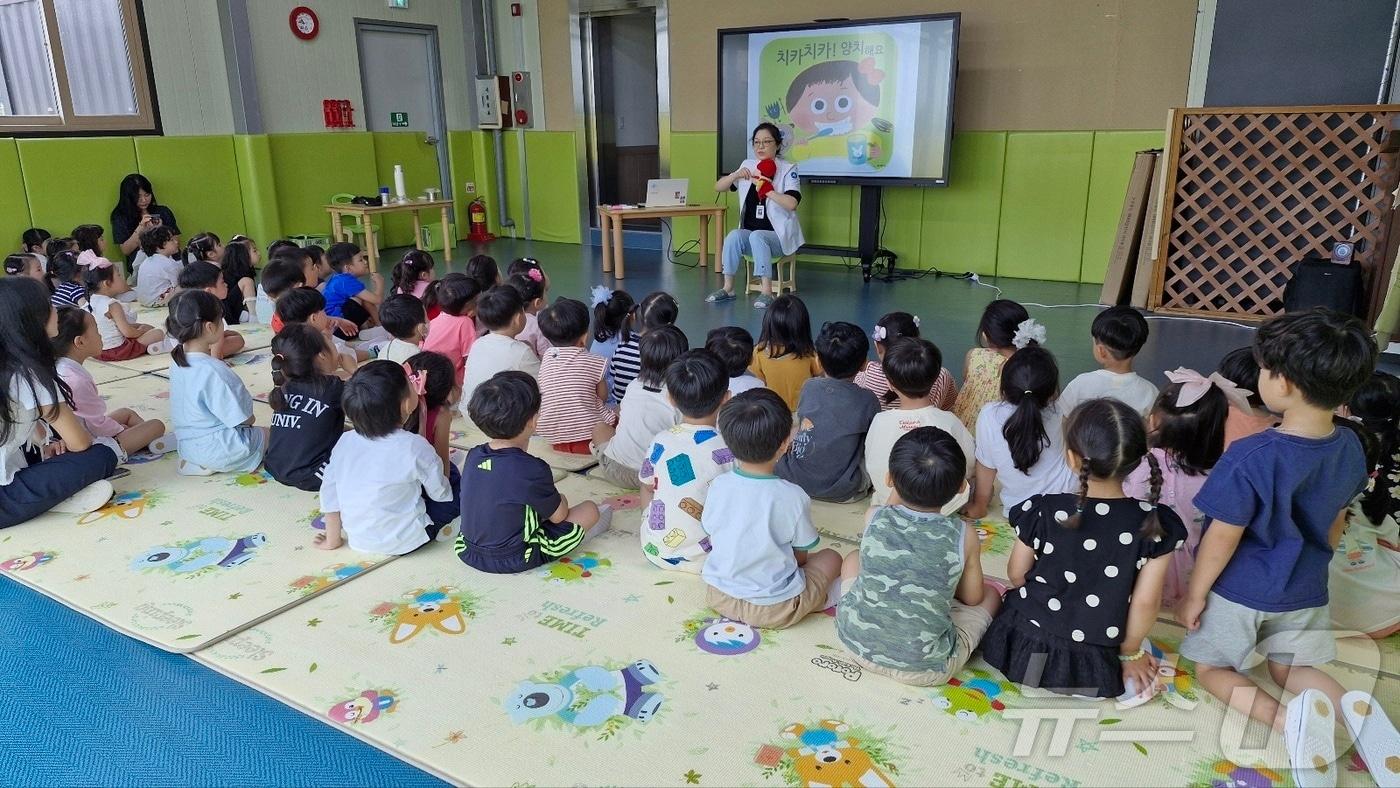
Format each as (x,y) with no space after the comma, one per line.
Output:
(1005,328)
(785,357)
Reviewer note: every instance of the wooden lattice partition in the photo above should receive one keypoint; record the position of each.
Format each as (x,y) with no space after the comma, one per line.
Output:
(1251,191)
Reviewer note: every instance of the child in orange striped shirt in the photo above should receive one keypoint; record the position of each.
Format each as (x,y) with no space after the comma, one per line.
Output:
(572,388)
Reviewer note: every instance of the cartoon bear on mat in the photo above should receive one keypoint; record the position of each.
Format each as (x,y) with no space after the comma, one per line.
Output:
(532,700)
(826,757)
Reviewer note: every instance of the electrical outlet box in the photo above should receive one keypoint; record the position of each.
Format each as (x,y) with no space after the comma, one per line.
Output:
(469,187)
(492,110)
(520,99)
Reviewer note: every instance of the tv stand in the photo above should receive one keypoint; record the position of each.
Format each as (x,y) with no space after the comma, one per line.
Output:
(867,249)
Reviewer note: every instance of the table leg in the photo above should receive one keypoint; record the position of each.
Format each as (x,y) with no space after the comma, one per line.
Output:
(604,232)
(704,238)
(621,272)
(447,242)
(337,229)
(371,247)
(418,230)
(718,227)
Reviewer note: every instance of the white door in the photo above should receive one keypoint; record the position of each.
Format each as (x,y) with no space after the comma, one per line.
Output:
(402,81)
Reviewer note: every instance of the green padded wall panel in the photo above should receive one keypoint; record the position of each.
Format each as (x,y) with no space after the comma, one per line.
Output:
(258,184)
(1044,191)
(462,156)
(420,170)
(14,220)
(73,181)
(693,157)
(198,178)
(554,206)
(309,168)
(960,222)
(1109,171)
(515,196)
(829,214)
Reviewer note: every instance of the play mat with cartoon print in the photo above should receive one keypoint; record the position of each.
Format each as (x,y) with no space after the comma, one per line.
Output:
(598,669)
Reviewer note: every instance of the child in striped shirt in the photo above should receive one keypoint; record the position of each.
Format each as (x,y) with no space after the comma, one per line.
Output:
(656,310)
(571,380)
(892,326)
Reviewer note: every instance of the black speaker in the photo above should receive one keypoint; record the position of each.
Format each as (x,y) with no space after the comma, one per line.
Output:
(1318,282)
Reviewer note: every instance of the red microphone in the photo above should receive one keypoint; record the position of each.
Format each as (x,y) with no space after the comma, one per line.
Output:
(767,168)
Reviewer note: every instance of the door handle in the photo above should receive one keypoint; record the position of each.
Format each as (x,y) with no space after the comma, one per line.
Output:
(429,139)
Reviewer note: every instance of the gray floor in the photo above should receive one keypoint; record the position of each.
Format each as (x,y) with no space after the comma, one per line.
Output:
(949,308)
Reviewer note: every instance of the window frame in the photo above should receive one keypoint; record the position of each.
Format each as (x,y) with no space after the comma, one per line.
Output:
(67,123)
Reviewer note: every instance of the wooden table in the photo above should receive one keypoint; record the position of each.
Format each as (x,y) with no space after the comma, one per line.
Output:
(610,222)
(365,212)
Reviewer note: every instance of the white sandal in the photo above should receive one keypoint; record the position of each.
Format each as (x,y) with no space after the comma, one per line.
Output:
(1309,733)
(1375,736)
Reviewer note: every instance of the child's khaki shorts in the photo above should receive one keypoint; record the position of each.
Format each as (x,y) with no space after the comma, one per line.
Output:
(782,614)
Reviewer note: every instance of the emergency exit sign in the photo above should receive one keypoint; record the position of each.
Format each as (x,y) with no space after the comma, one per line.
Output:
(398,119)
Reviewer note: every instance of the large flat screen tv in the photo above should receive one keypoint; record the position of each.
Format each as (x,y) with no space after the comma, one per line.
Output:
(860,101)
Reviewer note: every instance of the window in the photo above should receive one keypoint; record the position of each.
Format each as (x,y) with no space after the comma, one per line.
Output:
(73,65)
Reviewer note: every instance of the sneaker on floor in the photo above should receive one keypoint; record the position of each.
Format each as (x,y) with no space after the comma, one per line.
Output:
(163,445)
(763,301)
(164,346)
(1376,738)
(719,296)
(1308,732)
(89,499)
(188,468)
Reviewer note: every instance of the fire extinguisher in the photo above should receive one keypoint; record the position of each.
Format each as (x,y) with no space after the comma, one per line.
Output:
(476,210)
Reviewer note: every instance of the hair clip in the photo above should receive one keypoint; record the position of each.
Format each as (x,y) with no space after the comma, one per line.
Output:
(535,274)
(90,259)
(1028,331)
(879,334)
(601,295)
(417,380)
(917,321)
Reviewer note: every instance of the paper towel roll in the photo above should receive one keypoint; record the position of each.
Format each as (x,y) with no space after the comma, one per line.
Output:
(399,190)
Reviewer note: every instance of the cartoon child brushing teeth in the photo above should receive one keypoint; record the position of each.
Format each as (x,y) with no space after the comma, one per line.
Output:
(837,100)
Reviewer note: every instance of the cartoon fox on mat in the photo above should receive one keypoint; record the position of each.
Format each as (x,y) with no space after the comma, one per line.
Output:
(824,756)
(440,608)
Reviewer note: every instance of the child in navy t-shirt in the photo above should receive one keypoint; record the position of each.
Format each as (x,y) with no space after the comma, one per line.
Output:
(513,517)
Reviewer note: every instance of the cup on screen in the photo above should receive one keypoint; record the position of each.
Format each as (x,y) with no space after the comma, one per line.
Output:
(857,149)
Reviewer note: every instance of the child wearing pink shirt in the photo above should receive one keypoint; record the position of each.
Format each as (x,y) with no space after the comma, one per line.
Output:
(453,331)
(77,341)
(872,378)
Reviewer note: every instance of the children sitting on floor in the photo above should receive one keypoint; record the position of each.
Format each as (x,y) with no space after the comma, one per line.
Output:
(913,602)
(307,419)
(572,388)
(437,405)
(384,488)
(1365,570)
(1087,569)
(453,332)
(1239,367)
(483,270)
(77,341)
(1018,439)
(760,527)
(892,326)
(827,457)
(123,339)
(307,305)
(1005,328)
(645,410)
(513,517)
(66,285)
(204,276)
(911,366)
(160,271)
(502,312)
(531,287)
(404,317)
(733,346)
(413,274)
(1119,333)
(784,357)
(681,463)
(211,410)
(656,310)
(346,296)
(238,267)
(1186,431)
(610,311)
(1276,502)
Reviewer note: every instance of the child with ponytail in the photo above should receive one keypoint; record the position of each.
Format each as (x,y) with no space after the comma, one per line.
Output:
(1005,328)
(610,311)
(123,339)
(307,419)
(892,326)
(1186,430)
(1087,568)
(1018,439)
(531,286)
(210,408)
(66,287)
(413,275)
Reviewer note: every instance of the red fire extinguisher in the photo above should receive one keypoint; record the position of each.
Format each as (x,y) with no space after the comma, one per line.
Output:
(476,210)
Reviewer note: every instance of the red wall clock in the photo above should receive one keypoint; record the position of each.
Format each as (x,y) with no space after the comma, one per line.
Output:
(304,23)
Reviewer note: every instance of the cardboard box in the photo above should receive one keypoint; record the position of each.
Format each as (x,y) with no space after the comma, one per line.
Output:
(1122,258)
(1147,246)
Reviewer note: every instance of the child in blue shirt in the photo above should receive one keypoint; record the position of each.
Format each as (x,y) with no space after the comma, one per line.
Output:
(1275,504)
(346,296)
(760,526)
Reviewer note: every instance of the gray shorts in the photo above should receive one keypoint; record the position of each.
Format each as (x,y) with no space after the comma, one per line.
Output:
(1232,635)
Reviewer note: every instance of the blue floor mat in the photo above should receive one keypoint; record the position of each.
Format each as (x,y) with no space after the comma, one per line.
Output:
(88,706)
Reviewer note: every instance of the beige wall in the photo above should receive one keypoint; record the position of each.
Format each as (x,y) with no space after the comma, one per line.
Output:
(187,57)
(1024,64)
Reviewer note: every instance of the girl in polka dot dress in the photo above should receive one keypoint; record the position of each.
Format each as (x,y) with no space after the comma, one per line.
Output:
(1087,570)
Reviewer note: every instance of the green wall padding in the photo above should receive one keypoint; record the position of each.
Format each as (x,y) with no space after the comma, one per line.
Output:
(1043,198)
(310,168)
(462,156)
(961,221)
(198,178)
(553,180)
(420,170)
(257,183)
(1109,171)
(74,180)
(830,215)
(14,220)
(515,196)
(693,157)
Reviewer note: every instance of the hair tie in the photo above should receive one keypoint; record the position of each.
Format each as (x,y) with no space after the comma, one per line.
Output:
(417,380)
(90,259)
(878,334)
(1194,386)
(1028,330)
(601,295)
(917,321)
(535,274)
(1027,391)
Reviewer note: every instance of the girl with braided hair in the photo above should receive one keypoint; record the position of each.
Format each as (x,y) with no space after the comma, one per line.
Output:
(1087,568)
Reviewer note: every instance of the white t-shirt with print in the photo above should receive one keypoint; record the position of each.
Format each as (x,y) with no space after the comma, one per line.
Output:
(679,467)
(891,425)
(1128,387)
(1049,474)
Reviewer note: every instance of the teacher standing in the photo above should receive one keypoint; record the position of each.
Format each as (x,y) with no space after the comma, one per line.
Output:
(136,212)
(768,193)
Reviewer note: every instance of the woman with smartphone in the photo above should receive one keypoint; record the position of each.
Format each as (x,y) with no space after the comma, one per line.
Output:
(136,212)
